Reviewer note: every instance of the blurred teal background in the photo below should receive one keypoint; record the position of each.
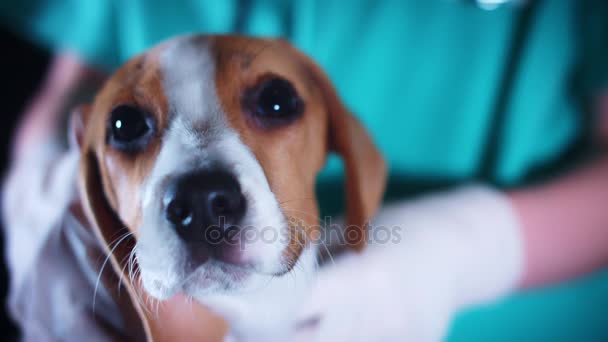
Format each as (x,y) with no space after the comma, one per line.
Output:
(452,93)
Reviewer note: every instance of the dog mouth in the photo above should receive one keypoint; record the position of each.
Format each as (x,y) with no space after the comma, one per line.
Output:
(200,270)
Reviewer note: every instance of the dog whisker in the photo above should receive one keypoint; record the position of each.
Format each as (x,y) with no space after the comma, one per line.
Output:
(121,239)
(123,269)
(296,199)
(140,299)
(323,244)
(130,264)
(120,234)
(305,213)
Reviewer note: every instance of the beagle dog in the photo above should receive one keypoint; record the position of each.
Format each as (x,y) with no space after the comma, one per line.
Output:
(204,150)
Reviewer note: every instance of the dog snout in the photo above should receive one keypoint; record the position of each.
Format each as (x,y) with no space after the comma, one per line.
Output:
(204,207)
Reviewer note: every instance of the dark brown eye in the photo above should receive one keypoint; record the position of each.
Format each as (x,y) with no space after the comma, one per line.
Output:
(274,102)
(129,128)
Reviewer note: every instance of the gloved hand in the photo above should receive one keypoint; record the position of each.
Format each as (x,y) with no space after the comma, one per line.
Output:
(444,252)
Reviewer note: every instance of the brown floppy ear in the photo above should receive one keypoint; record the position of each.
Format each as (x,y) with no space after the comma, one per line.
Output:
(104,222)
(365,173)
(364,165)
(106,226)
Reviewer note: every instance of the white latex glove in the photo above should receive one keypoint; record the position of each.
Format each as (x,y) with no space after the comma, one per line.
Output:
(456,249)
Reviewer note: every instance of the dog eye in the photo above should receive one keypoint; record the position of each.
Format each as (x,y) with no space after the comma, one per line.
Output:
(129,127)
(274,101)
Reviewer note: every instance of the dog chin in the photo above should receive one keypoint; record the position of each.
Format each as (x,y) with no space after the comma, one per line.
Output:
(209,279)
(215,278)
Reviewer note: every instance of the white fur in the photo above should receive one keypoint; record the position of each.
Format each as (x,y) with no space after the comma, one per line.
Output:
(198,136)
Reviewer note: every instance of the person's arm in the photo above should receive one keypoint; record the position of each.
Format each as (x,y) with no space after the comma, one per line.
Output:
(36,193)
(458,249)
(565,222)
(67,79)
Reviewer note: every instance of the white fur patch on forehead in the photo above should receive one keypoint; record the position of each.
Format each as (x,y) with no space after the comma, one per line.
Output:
(188,78)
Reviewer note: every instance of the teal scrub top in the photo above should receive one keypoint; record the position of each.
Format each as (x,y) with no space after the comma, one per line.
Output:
(450,92)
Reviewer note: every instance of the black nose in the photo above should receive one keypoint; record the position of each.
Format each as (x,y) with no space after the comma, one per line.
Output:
(202,206)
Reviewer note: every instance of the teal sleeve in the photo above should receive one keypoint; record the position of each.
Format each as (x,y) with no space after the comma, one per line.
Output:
(143,23)
(594,45)
(84,27)
(108,32)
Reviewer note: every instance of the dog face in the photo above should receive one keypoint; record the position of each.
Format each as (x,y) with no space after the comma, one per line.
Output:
(206,149)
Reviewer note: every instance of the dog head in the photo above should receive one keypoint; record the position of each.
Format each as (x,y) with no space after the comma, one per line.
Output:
(205,149)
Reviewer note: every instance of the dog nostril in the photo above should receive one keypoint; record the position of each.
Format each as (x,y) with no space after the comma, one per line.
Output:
(220,204)
(227,204)
(179,213)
